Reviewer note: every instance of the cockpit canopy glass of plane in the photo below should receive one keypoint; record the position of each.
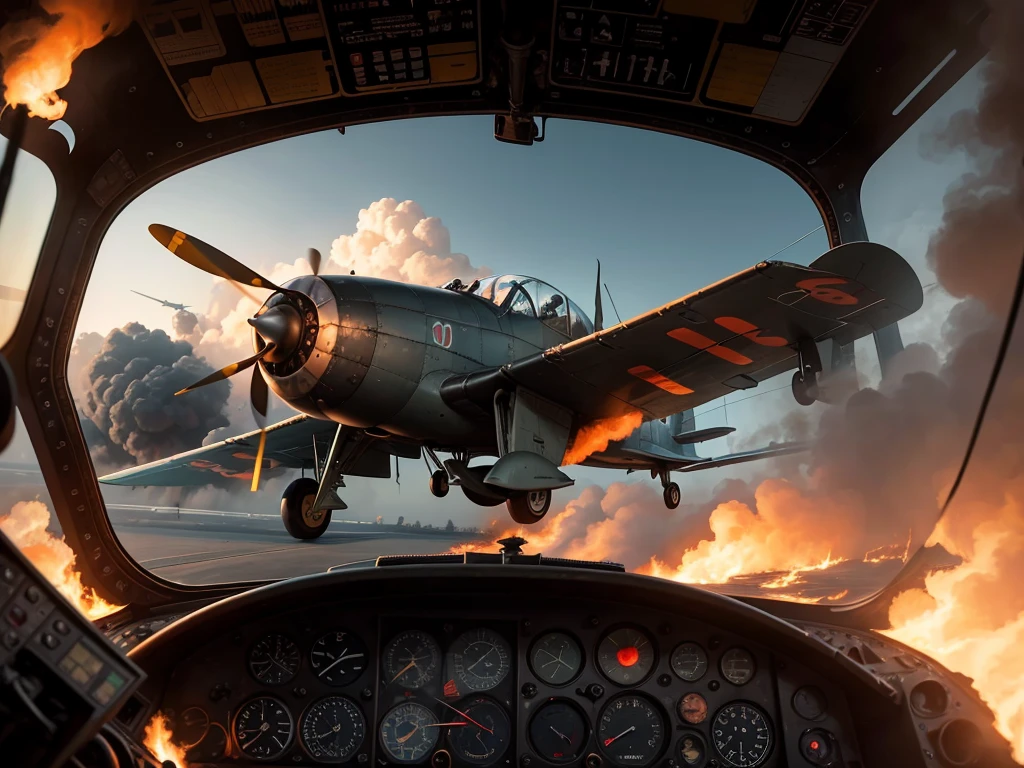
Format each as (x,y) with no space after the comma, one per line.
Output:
(402,360)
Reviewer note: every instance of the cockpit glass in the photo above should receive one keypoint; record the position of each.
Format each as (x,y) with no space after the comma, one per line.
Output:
(714,460)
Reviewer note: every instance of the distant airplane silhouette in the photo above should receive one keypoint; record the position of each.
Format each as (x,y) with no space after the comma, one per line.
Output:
(170,304)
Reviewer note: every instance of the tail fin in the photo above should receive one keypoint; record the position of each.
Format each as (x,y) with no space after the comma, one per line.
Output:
(684,421)
(598,309)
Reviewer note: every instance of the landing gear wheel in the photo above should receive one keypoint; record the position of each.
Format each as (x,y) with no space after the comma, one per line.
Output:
(439,483)
(297,510)
(527,508)
(805,389)
(672,495)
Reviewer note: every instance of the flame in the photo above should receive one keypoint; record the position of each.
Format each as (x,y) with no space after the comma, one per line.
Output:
(594,437)
(888,552)
(37,52)
(26,526)
(158,740)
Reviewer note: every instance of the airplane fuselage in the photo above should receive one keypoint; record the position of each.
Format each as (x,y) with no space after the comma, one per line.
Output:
(375,352)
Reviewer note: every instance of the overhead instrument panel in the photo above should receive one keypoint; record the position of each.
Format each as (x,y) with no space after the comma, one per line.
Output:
(229,58)
(762,58)
(405,44)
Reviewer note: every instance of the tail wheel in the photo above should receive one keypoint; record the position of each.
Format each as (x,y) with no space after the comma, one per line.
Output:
(297,514)
(439,483)
(527,508)
(672,495)
(805,389)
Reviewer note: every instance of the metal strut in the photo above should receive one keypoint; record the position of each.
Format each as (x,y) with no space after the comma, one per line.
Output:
(346,448)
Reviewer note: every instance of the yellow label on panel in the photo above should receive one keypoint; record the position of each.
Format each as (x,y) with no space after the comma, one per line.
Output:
(452,69)
(741,74)
(295,76)
(729,11)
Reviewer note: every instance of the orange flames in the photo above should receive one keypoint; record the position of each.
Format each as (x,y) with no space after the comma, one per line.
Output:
(158,740)
(594,437)
(26,526)
(37,52)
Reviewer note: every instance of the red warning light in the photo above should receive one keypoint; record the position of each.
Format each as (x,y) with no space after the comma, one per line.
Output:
(628,656)
(814,745)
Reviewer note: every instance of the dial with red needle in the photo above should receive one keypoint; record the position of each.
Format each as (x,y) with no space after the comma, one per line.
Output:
(631,731)
(486,738)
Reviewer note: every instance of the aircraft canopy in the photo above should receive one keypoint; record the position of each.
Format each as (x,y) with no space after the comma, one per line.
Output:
(533,297)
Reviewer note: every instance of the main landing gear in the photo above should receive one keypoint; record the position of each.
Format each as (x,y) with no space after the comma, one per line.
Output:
(529,507)
(439,483)
(670,490)
(805,380)
(300,518)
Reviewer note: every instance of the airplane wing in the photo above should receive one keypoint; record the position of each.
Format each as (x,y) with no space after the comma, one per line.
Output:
(772,451)
(729,336)
(289,445)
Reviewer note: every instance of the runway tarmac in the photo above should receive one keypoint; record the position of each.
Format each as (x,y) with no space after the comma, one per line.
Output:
(206,546)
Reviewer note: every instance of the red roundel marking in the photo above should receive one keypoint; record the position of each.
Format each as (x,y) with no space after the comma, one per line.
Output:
(651,376)
(439,334)
(750,331)
(702,342)
(628,655)
(447,336)
(817,288)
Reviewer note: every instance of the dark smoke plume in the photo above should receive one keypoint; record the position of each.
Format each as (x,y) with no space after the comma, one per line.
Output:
(132,413)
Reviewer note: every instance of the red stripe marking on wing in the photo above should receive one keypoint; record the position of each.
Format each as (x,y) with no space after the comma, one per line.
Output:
(651,376)
(702,342)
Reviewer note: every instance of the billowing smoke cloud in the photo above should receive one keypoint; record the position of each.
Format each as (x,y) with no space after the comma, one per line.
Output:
(130,402)
(37,51)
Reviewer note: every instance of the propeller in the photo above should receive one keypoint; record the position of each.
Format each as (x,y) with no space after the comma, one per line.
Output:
(229,370)
(314,260)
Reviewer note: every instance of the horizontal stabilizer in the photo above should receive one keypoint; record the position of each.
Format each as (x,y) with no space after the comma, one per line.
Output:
(700,435)
(773,450)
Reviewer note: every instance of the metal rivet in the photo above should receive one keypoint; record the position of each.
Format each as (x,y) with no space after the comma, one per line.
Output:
(785,145)
(209,135)
(841,185)
(60,291)
(82,221)
(179,144)
(149,154)
(847,217)
(131,89)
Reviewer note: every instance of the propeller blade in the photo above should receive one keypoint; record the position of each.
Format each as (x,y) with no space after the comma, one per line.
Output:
(206,257)
(314,260)
(259,395)
(228,371)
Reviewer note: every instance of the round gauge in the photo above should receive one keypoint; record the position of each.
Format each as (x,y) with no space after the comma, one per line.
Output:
(191,726)
(626,656)
(742,735)
(558,732)
(263,728)
(693,708)
(408,733)
(274,660)
(556,658)
(631,731)
(485,737)
(332,729)
(338,658)
(480,659)
(738,666)
(810,703)
(211,747)
(411,659)
(689,662)
(692,750)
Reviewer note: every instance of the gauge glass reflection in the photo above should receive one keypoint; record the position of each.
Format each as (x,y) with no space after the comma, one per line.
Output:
(411,659)
(631,731)
(274,660)
(626,656)
(263,728)
(738,666)
(693,708)
(480,659)
(742,735)
(486,733)
(332,729)
(191,726)
(689,662)
(558,732)
(692,750)
(338,658)
(556,658)
(409,732)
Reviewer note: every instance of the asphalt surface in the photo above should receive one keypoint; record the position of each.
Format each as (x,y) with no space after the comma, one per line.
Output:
(207,546)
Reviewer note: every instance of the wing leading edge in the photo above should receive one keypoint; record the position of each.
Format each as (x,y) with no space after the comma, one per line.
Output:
(728,336)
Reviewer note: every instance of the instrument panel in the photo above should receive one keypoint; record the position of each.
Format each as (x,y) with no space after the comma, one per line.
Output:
(597,687)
